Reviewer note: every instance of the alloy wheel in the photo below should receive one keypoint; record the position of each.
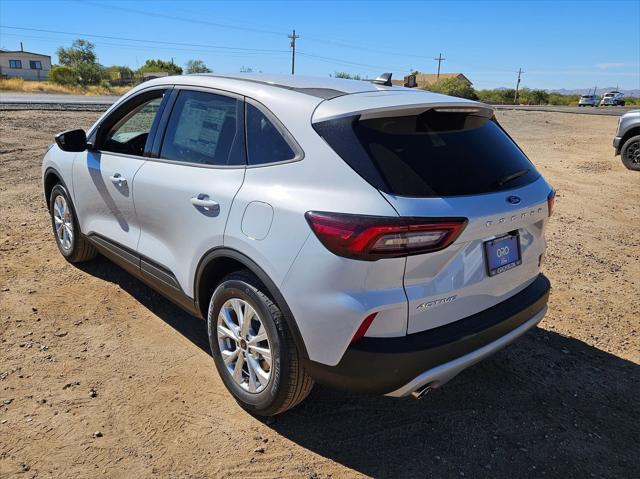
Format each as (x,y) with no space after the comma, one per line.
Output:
(63,222)
(633,153)
(244,345)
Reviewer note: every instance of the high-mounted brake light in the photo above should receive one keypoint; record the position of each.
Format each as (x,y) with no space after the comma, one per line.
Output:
(457,110)
(373,237)
(551,201)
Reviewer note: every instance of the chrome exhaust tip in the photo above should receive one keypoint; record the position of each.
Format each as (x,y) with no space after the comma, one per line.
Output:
(421,392)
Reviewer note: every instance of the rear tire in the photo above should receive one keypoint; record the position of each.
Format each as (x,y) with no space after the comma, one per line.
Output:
(71,243)
(630,153)
(259,364)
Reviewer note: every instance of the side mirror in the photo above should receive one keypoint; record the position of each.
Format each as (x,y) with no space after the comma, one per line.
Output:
(72,140)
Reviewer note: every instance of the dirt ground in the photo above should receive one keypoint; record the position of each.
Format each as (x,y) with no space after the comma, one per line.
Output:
(90,349)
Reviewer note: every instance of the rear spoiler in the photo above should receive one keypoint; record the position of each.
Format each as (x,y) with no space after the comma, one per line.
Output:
(394,103)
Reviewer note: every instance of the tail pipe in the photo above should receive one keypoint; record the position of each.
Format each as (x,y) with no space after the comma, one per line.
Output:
(421,391)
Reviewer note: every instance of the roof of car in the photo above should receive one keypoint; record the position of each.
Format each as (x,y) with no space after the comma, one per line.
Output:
(321,98)
(325,88)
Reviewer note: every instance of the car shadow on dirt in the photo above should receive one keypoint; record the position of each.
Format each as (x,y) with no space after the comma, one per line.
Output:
(548,405)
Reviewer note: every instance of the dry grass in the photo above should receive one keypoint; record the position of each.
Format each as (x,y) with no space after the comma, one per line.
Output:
(18,84)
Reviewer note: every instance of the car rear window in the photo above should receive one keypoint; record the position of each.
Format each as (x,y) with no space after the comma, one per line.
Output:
(432,154)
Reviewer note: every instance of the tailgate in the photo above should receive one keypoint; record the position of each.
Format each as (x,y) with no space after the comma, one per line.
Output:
(454,283)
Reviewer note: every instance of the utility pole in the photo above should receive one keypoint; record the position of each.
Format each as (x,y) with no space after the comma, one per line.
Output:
(293,51)
(515,98)
(440,59)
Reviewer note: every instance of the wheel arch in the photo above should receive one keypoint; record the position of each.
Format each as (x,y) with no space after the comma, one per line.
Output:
(50,178)
(219,262)
(633,131)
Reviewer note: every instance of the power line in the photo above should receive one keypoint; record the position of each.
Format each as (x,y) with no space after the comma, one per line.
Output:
(184,19)
(107,37)
(359,47)
(258,30)
(101,44)
(237,50)
(377,68)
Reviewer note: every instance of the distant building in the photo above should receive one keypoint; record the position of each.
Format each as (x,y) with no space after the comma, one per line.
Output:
(426,79)
(26,65)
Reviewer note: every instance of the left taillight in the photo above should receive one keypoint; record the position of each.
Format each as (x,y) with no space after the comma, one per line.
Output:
(374,237)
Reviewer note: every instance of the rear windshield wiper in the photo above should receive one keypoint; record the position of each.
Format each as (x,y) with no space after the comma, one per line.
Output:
(510,177)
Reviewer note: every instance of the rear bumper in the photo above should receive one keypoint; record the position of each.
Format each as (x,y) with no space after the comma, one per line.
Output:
(399,366)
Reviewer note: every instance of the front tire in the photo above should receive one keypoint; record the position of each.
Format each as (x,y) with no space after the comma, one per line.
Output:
(630,153)
(71,243)
(253,348)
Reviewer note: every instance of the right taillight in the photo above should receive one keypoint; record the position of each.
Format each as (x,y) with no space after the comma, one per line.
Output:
(374,237)
(551,200)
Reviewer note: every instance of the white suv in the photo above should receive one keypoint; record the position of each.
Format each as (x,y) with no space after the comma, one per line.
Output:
(375,238)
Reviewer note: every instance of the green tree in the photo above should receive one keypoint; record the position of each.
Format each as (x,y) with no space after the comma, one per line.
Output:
(347,76)
(160,66)
(453,87)
(197,66)
(81,51)
(89,73)
(80,64)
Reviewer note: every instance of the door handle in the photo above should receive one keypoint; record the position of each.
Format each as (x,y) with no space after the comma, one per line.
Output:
(118,179)
(203,201)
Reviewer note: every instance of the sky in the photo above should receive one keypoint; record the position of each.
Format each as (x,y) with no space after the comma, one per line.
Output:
(557,44)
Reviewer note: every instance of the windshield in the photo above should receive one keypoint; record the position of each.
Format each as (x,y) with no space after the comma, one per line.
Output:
(433,154)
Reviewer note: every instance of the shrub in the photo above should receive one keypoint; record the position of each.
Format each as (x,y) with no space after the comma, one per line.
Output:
(152,66)
(533,97)
(62,75)
(118,72)
(453,87)
(502,96)
(89,73)
(347,76)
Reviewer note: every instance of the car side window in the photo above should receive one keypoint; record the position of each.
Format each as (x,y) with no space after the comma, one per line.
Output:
(265,143)
(205,128)
(129,134)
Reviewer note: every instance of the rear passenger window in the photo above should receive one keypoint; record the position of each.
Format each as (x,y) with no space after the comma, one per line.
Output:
(265,144)
(205,128)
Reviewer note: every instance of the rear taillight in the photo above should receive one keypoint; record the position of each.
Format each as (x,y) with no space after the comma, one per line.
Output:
(374,237)
(551,200)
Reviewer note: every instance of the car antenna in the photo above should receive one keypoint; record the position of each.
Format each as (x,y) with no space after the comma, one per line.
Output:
(384,79)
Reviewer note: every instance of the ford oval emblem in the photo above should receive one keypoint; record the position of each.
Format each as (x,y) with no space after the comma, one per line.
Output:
(514,200)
